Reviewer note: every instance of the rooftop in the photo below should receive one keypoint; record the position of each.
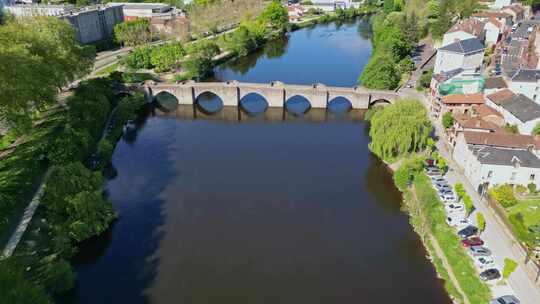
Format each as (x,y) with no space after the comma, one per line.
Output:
(495,83)
(506,140)
(472,26)
(464,46)
(526,75)
(501,96)
(476,98)
(505,157)
(522,107)
(494,14)
(469,122)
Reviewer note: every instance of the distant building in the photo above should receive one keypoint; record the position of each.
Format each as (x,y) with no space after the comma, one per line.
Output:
(461,103)
(91,24)
(332,5)
(464,54)
(522,112)
(146,10)
(481,118)
(27,10)
(517,11)
(504,18)
(501,3)
(175,27)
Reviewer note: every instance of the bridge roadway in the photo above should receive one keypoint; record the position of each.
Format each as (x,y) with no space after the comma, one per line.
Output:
(276,93)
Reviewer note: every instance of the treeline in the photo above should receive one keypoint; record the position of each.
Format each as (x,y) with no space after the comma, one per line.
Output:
(195,60)
(394,38)
(68,138)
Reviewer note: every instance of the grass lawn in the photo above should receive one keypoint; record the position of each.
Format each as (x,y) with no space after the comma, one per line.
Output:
(530,209)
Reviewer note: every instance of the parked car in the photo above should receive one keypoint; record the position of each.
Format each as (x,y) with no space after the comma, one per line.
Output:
(443,188)
(432,171)
(490,274)
(455,220)
(484,262)
(448,198)
(472,241)
(468,231)
(438,180)
(479,251)
(454,207)
(509,299)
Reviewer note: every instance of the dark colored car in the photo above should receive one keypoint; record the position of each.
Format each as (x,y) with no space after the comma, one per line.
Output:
(472,241)
(467,232)
(490,274)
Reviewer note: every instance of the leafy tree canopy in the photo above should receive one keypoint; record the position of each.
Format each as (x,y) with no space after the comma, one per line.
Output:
(399,128)
(380,73)
(133,32)
(16,289)
(38,55)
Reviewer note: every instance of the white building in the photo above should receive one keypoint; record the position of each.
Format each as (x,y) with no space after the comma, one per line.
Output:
(464,54)
(145,10)
(493,31)
(522,112)
(332,5)
(464,29)
(526,82)
(500,3)
(26,10)
(495,159)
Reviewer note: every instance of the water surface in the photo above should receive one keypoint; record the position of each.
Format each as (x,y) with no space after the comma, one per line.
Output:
(274,208)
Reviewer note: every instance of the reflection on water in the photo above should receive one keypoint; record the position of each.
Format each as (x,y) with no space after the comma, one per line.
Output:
(270,208)
(253,104)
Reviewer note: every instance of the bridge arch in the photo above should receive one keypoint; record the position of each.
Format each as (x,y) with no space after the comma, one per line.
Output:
(298,104)
(253,102)
(380,102)
(340,104)
(208,102)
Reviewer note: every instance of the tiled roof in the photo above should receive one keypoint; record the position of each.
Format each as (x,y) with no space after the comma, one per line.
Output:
(495,22)
(516,141)
(492,14)
(495,83)
(505,157)
(468,122)
(472,26)
(484,111)
(443,76)
(477,98)
(522,107)
(501,96)
(464,46)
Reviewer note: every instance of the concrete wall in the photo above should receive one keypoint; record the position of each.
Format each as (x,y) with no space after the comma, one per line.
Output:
(492,33)
(97,24)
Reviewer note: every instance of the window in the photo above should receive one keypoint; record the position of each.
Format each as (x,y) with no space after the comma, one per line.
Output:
(490,174)
(513,177)
(532,177)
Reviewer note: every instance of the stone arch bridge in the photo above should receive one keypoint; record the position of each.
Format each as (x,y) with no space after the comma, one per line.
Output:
(276,93)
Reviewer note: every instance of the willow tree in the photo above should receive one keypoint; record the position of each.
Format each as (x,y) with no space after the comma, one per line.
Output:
(399,128)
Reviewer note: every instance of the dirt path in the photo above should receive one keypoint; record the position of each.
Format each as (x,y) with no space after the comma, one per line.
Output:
(440,254)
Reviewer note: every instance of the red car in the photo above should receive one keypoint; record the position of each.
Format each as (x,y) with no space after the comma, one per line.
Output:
(472,241)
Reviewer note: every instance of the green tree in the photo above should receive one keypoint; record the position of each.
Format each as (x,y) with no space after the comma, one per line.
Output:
(65,181)
(71,145)
(425,79)
(199,61)
(38,56)
(380,73)
(242,42)
(481,222)
(16,289)
(447,120)
(388,6)
(88,110)
(398,129)
(139,58)
(509,267)
(275,15)
(133,32)
(105,151)
(536,129)
(59,276)
(166,57)
(89,214)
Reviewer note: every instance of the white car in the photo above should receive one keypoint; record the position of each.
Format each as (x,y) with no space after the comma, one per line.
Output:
(447,198)
(443,187)
(438,180)
(484,262)
(433,171)
(458,220)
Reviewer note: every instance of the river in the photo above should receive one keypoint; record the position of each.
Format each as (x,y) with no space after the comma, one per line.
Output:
(270,208)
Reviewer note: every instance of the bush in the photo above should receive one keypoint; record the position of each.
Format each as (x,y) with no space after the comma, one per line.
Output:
(139,58)
(70,145)
(425,79)
(481,222)
(447,120)
(105,151)
(59,276)
(532,188)
(460,190)
(167,56)
(509,267)
(504,194)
